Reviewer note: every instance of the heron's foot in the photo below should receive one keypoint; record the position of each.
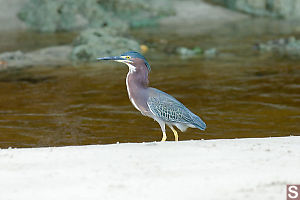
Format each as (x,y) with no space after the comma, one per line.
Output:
(175,133)
(164,138)
(176,137)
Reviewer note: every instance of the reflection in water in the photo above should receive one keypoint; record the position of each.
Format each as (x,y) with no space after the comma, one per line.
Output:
(238,94)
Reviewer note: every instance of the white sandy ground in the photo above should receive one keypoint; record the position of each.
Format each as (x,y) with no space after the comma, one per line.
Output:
(254,169)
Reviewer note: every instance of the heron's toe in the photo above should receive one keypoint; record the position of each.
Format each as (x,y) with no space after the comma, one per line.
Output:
(163,139)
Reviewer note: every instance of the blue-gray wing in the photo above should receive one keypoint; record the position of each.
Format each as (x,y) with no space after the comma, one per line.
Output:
(169,109)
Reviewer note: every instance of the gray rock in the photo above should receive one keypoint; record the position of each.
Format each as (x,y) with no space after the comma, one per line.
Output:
(140,13)
(89,45)
(94,43)
(288,9)
(66,15)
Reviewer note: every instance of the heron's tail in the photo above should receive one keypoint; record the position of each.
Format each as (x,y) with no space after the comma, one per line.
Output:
(199,123)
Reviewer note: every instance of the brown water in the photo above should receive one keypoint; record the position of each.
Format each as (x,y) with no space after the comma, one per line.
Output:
(240,93)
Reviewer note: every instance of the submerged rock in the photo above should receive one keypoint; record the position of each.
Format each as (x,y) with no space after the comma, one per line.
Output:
(186,52)
(94,43)
(51,56)
(285,47)
(66,15)
(8,56)
(212,52)
(288,9)
(196,51)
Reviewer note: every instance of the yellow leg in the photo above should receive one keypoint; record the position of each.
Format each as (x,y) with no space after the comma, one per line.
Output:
(175,133)
(163,139)
(163,130)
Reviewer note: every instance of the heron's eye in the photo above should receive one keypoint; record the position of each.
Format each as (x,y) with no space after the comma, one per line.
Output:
(128,57)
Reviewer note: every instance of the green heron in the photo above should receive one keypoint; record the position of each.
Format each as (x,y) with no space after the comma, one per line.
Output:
(152,102)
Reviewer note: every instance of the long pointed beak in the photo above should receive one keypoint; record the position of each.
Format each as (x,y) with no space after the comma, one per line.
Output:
(112,58)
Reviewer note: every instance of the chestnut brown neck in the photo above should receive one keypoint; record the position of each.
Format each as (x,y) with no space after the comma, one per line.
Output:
(137,75)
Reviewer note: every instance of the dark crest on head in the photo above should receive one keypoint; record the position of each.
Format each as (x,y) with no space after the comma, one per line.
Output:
(134,54)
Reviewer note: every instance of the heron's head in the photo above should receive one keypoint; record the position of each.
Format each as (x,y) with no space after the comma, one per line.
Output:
(131,58)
